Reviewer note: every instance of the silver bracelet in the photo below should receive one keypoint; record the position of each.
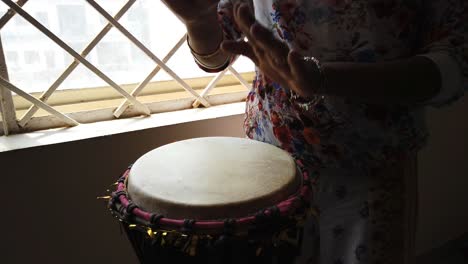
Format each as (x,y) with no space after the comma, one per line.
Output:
(301,102)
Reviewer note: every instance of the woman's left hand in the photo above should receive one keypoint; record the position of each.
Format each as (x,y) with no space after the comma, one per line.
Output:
(272,56)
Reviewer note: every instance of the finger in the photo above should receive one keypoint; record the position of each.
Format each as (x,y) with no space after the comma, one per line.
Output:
(265,39)
(241,48)
(244,18)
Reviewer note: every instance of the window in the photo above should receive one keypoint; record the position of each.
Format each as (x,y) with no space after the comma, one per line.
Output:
(50,59)
(113,55)
(20,22)
(13,58)
(72,21)
(31,57)
(43,18)
(84,71)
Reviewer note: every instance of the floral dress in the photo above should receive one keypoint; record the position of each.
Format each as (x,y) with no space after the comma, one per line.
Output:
(345,143)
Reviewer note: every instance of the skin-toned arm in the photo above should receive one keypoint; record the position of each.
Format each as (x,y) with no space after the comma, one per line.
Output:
(205,35)
(405,81)
(204,32)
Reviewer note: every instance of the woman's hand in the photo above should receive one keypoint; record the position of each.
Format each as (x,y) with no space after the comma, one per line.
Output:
(192,11)
(404,81)
(272,56)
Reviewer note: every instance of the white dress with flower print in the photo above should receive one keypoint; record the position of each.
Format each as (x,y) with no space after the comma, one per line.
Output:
(344,142)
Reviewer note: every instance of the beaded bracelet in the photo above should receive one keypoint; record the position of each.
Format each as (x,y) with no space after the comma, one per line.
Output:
(301,102)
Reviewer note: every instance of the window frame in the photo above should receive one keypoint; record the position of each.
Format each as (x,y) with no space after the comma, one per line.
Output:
(166,94)
(7,108)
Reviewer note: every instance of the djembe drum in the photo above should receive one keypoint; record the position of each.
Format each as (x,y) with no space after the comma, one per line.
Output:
(214,200)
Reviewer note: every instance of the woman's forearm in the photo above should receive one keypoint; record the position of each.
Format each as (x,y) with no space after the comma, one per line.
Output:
(205,37)
(407,81)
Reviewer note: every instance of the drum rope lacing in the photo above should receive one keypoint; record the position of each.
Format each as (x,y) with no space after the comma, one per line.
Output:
(296,207)
(284,208)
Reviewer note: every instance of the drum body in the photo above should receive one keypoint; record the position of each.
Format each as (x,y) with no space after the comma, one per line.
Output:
(214,200)
(215,250)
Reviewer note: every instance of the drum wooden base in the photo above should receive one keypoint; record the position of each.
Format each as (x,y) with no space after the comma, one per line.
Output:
(233,251)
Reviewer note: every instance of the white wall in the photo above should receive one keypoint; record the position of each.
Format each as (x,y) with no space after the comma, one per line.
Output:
(50,213)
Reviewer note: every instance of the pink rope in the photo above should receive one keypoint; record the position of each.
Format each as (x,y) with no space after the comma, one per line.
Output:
(286,208)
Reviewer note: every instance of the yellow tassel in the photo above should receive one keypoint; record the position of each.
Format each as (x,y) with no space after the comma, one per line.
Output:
(193,246)
(150,233)
(104,197)
(259,251)
(163,238)
(178,242)
(311,212)
(284,236)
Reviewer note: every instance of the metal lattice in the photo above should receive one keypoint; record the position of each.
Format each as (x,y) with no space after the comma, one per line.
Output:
(8,115)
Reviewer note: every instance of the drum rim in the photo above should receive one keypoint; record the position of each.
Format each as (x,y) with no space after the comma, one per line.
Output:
(126,211)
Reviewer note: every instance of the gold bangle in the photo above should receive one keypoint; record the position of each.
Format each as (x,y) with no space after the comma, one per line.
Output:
(200,57)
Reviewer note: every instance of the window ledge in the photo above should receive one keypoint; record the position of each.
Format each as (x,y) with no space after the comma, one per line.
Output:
(106,128)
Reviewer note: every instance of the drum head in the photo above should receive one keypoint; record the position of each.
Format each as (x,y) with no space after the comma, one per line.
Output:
(212,178)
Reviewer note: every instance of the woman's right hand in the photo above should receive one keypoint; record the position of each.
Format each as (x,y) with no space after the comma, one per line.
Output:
(193,11)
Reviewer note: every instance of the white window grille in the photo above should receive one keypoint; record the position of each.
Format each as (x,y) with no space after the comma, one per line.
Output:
(73,52)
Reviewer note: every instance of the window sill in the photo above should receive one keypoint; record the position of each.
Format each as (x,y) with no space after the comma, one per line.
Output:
(107,128)
(96,107)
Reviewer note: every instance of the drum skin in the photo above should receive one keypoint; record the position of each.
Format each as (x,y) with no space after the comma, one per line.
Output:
(212,178)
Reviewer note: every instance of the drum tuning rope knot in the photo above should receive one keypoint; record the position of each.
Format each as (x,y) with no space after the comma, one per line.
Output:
(129,210)
(155,220)
(187,227)
(229,226)
(116,196)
